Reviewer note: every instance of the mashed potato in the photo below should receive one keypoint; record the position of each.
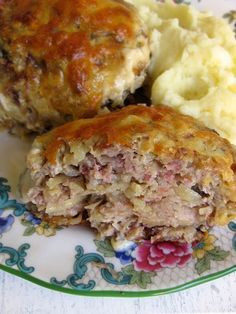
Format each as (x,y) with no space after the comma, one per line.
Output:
(193,67)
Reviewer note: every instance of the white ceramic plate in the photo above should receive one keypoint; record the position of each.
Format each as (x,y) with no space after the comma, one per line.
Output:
(72,261)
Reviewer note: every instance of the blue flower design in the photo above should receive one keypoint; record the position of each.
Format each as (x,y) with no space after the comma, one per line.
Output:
(6,223)
(32,219)
(232,227)
(125,255)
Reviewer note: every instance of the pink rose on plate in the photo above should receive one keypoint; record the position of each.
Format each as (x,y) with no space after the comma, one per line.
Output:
(152,257)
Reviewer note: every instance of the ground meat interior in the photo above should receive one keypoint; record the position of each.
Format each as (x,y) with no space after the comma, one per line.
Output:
(124,194)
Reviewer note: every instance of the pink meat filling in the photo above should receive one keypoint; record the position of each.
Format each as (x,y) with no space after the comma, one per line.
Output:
(128,195)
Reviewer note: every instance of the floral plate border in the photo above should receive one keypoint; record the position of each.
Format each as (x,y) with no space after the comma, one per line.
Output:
(140,267)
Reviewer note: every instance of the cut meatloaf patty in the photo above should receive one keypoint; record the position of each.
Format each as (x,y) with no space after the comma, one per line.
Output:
(140,173)
(62,60)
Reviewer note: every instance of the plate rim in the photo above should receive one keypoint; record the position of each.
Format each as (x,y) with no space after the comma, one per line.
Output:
(119,293)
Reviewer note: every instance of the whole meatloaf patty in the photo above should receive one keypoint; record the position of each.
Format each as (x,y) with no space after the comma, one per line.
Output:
(140,173)
(65,59)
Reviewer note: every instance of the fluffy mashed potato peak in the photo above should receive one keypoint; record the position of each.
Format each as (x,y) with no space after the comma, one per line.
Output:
(193,67)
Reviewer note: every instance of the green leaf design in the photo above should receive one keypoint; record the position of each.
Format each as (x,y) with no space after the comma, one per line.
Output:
(182,1)
(105,247)
(29,231)
(217,254)
(128,270)
(203,264)
(26,223)
(140,278)
(230,16)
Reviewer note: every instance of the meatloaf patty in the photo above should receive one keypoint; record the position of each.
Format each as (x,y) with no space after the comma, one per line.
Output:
(62,60)
(140,173)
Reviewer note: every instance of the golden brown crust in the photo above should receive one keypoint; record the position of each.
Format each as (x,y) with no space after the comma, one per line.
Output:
(163,131)
(60,220)
(59,57)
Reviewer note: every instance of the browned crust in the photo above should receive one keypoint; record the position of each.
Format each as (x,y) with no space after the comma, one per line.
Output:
(61,53)
(163,131)
(60,220)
